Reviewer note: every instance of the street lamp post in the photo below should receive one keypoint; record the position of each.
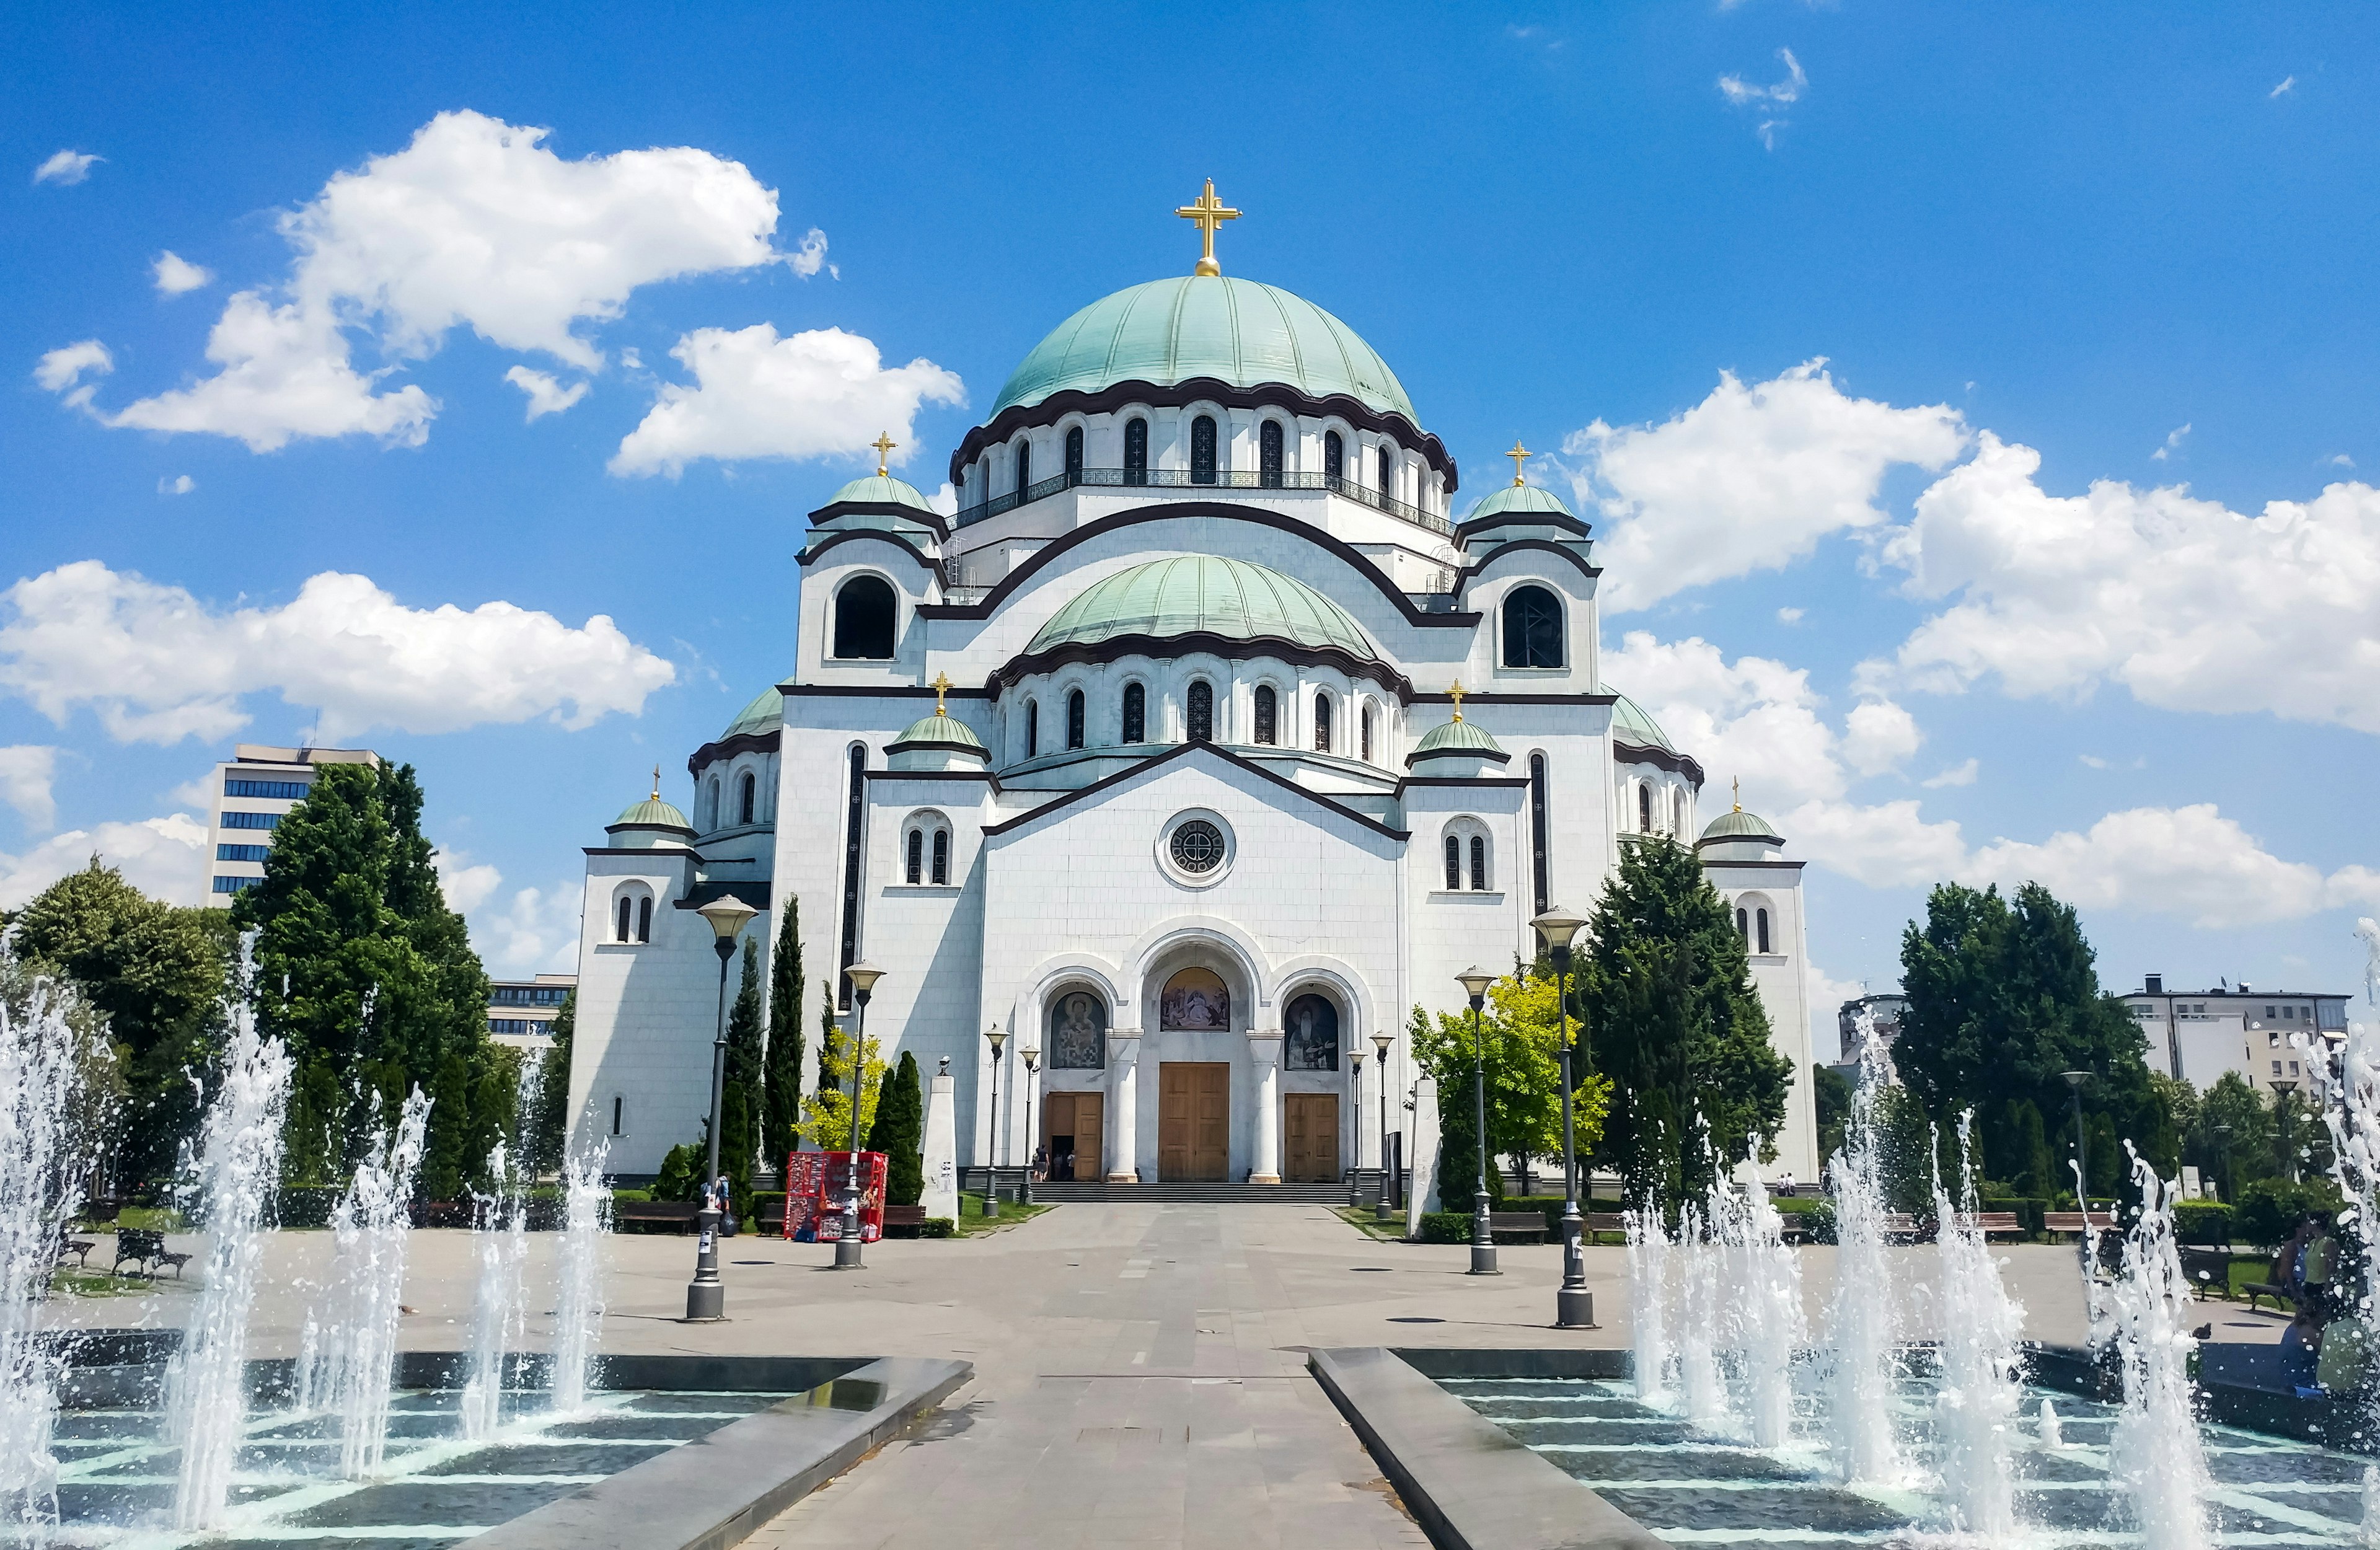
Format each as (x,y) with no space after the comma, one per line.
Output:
(1380,1042)
(1483,1237)
(863,977)
(1032,1066)
(1573,1304)
(706,1295)
(1355,1098)
(999,1038)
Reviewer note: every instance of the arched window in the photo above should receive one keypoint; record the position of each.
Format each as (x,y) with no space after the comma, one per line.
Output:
(627,908)
(1760,920)
(1202,711)
(645,918)
(1032,728)
(1136,452)
(1334,456)
(913,871)
(941,857)
(1364,725)
(1135,713)
(1075,720)
(1387,470)
(1532,628)
(711,806)
(863,618)
(1538,849)
(1202,450)
(1024,466)
(619,1112)
(854,819)
(1480,863)
(1678,814)
(1453,862)
(1321,720)
(1743,926)
(1268,716)
(747,789)
(1269,455)
(1644,808)
(1073,456)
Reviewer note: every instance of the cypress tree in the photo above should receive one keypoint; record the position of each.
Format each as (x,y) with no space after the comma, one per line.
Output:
(781,1089)
(548,1130)
(899,1132)
(739,1100)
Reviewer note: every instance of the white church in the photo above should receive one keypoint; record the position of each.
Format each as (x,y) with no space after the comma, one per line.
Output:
(1200,745)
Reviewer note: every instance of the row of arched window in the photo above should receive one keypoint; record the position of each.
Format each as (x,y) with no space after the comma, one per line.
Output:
(634,915)
(1205,438)
(1454,856)
(746,808)
(1656,814)
(1198,719)
(1753,927)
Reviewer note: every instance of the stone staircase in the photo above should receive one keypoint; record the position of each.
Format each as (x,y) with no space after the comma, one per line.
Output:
(1218,1192)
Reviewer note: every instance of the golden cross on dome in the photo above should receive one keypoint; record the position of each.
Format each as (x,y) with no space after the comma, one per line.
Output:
(1456,695)
(884,444)
(657,783)
(1737,781)
(1520,457)
(940,686)
(1208,212)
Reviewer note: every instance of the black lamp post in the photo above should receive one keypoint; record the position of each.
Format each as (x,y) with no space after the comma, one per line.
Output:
(1380,1042)
(863,977)
(1483,1236)
(1573,1306)
(706,1295)
(1032,1054)
(999,1038)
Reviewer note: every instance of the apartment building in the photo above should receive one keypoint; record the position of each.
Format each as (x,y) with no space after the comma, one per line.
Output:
(2199,1034)
(254,790)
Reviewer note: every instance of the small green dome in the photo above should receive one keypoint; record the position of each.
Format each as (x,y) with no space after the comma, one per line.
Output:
(765,714)
(882,489)
(939,728)
(1741,825)
(1236,331)
(1457,737)
(651,813)
(1631,726)
(1203,594)
(1521,500)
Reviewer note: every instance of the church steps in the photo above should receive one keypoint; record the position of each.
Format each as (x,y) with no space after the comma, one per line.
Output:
(1218,1192)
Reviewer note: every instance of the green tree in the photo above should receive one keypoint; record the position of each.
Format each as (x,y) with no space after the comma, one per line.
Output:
(740,1092)
(549,1129)
(1832,1095)
(1679,1028)
(781,1087)
(899,1132)
(826,1114)
(1520,1035)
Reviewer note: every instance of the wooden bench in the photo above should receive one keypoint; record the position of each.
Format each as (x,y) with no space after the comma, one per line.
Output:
(146,1251)
(79,1247)
(1527,1227)
(2055,1222)
(2208,1268)
(1601,1222)
(2279,1294)
(1993,1224)
(677,1214)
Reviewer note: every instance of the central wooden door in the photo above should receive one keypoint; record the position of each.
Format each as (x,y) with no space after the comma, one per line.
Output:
(1075,1124)
(1193,1113)
(1311,1127)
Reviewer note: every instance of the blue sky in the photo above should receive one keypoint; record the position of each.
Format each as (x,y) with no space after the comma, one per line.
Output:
(2091,288)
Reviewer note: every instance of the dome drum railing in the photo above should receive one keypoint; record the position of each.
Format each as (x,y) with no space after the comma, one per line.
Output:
(1200,478)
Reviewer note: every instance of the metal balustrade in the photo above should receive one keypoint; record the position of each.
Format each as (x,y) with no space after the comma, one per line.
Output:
(1189,478)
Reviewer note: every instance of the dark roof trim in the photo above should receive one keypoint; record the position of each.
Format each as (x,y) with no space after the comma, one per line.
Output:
(1490,696)
(984,775)
(1220,510)
(934,519)
(1518,519)
(750,890)
(1659,758)
(674,850)
(728,747)
(951,745)
(1500,755)
(1196,390)
(889,691)
(1518,782)
(1184,751)
(663,827)
(835,541)
(1201,642)
(1517,546)
(1771,865)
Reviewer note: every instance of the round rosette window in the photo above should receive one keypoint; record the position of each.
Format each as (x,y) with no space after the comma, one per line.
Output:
(1196,849)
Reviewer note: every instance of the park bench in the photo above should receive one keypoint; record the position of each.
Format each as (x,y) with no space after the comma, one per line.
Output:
(2208,1268)
(1993,1224)
(1528,1227)
(677,1214)
(145,1250)
(1601,1222)
(2279,1294)
(2055,1222)
(1901,1226)
(79,1247)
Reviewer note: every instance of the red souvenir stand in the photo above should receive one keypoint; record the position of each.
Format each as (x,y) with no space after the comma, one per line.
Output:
(815,1182)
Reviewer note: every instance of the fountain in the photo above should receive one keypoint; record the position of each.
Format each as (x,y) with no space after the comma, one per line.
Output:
(1767,1310)
(499,1231)
(1701,1387)
(357,1353)
(2157,1457)
(1982,1387)
(1862,1318)
(578,1303)
(1648,1301)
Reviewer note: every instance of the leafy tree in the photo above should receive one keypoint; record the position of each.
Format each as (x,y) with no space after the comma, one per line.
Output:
(899,1132)
(1520,1034)
(548,1127)
(740,1092)
(1679,1028)
(826,1113)
(681,1173)
(781,1085)
(1833,1098)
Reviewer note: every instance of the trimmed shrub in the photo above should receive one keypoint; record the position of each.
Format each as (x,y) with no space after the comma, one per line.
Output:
(938,1227)
(2268,1210)
(1818,1220)
(2203,1222)
(1446,1227)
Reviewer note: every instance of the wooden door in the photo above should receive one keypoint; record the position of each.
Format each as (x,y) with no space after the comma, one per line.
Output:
(1311,1127)
(1076,1122)
(1193,1113)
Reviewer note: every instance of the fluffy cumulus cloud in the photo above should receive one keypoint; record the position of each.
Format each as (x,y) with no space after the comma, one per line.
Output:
(474,224)
(2185,604)
(156,664)
(1749,479)
(66,167)
(817,394)
(547,396)
(62,370)
(176,275)
(163,858)
(531,930)
(26,772)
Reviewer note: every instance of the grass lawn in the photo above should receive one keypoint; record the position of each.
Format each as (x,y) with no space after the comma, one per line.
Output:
(972,1221)
(153,1219)
(1360,1216)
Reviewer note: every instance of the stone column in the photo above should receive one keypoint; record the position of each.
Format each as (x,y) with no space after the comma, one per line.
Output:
(942,1147)
(1123,1113)
(1421,1168)
(1264,1048)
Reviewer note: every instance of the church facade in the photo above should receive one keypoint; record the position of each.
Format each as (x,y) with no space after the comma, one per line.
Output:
(1202,743)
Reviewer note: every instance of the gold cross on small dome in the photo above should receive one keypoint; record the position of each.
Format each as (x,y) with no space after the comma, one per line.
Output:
(1208,212)
(1737,781)
(884,444)
(657,783)
(940,686)
(1520,457)
(1456,694)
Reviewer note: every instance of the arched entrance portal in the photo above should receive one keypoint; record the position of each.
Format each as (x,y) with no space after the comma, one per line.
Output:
(1193,1102)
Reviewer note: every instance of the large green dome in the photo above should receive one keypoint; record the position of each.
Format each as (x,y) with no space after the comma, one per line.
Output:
(1203,594)
(1236,331)
(1630,725)
(765,714)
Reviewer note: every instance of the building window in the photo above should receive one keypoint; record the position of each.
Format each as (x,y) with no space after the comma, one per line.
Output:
(1202,711)
(1024,465)
(1032,728)
(1644,808)
(236,885)
(1321,721)
(1760,922)
(1364,725)
(1073,456)
(711,809)
(2276,1068)
(619,1113)
(645,919)
(914,871)
(1267,717)
(1334,456)
(1743,926)
(1075,720)
(1202,450)
(1269,455)
(1678,814)
(1532,628)
(1135,713)
(1136,452)
(1537,847)
(863,618)
(1453,862)
(941,857)
(855,817)
(251,820)
(627,919)
(272,791)
(1387,470)
(242,853)
(747,789)
(1478,864)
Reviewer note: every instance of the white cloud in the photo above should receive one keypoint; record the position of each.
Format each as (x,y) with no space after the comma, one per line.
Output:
(1742,94)
(2340,460)
(26,772)
(66,167)
(176,274)
(811,257)
(546,396)
(1789,615)
(197,793)
(2172,443)
(945,500)
(163,858)
(1749,479)
(1956,775)
(2288,83)
(180,484)
(1827,995)
(1880,736)
(473,224)
(812,395)
(534,930)
(467,885)
(2188,605)
(2092,761)
(61,371)
(1754,718)
(156,665)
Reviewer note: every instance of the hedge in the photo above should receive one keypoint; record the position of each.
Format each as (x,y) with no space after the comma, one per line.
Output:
(2205,1222)
(2268,1210)
(938,1227)
(1446,1227)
